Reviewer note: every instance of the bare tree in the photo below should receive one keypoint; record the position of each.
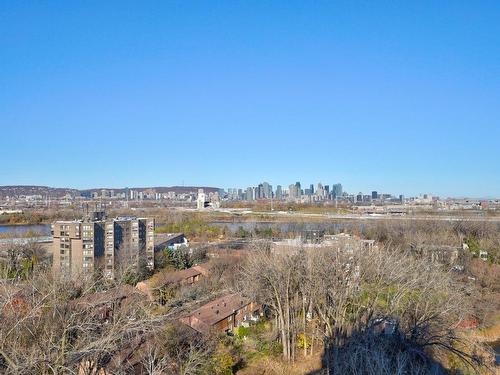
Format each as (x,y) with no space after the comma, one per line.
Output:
(346,290)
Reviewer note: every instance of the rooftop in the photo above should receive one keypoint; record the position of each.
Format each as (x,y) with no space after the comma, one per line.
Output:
(220,308)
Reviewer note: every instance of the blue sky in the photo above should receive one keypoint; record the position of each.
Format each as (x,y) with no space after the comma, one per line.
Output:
(400,97)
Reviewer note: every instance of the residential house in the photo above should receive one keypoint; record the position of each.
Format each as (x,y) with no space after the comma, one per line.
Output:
(223,314)
(188,277)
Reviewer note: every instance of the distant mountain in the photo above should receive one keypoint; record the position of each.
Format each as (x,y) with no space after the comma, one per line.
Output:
(18,190)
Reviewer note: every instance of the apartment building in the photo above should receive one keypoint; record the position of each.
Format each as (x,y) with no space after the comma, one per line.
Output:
(81,246)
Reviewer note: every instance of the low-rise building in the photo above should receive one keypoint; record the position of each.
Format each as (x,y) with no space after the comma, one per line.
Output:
(104,305)
(223,314)
(152,287)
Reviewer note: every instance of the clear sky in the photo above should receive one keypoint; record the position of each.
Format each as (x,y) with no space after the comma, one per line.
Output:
(399,97)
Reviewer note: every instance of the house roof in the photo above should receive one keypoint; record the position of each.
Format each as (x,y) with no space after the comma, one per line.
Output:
(203,268)
(178,276)
(164,277)
(112,295)
(219,309)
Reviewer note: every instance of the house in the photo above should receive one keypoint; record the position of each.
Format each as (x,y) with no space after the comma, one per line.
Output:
(223,314)
(188,276)
(104,305)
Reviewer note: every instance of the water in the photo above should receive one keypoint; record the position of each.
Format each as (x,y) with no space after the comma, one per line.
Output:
(496,348)
(20,230)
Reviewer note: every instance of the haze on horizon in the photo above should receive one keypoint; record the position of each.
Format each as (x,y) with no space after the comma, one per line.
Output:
(229,94)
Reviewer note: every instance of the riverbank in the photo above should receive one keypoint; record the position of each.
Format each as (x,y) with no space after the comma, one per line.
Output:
(489,334)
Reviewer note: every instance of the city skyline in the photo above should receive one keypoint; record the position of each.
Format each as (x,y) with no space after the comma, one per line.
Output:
(328,189)
(380,97)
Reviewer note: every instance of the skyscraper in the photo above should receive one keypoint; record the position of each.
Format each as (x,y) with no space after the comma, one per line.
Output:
(319,190)
(279,192)
(298,189)
(249,194)
(268,190)
(374,195)
(259,192)
(337,190)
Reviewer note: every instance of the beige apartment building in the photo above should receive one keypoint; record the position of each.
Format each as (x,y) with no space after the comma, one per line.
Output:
(81,246)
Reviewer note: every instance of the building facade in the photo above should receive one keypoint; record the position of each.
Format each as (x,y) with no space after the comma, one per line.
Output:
(82,246)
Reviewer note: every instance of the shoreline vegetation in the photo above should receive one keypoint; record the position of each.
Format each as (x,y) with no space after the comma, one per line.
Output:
(249,211)
(489,334)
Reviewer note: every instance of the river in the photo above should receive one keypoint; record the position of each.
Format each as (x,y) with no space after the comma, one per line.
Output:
(20,230)
(496,348)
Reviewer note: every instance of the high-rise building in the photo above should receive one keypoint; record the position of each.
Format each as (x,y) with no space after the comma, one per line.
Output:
(201,200)
(337,190)
(292,191)
(320,192)
(267,190)
(279,192)
(82,246)
(260,191)
(249,194)
(298,189)
(311,189)
(374,195)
